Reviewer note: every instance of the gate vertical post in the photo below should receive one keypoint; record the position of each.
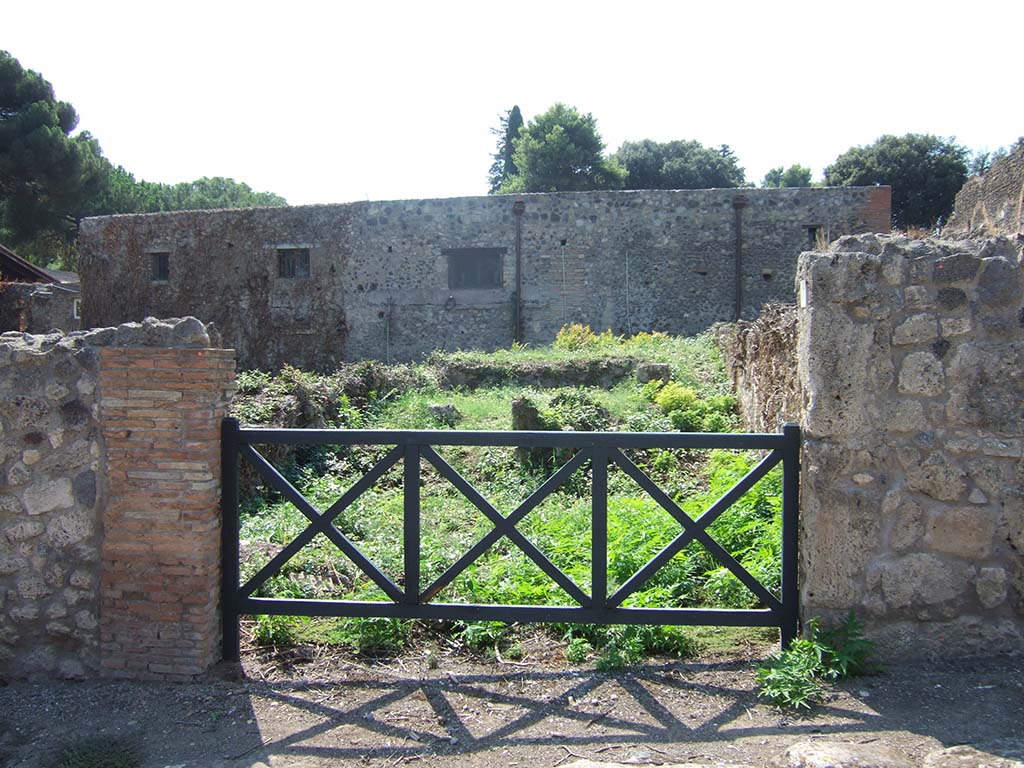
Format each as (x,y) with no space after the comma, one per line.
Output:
(599,529)
(229,540)
(411,523)
(790,533)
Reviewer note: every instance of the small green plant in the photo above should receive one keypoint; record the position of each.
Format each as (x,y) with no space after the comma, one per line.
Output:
(847,650)
(274,630)
(373,637)
(793,677)
(99,752)
(622,648)
(483,635)
(578,650)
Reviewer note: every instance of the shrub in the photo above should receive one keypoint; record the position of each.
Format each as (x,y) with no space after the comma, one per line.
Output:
(576,337)
(577,410)
(675,397)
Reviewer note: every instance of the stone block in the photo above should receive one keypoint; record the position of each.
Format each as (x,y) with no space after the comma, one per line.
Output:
(31,587)
(917,329)
(958,268)
(991,586)
(646,372)
(966,533)
(922,579)
(48,496)
(70,528)
(937,477)
(999,283)
(837,754)
(907,520)
(986,384)
(922,374)
(23,531)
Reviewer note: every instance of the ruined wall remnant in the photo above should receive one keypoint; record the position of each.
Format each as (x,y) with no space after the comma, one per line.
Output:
(992,203)
(396,280)
(38,307)
(760,358)
(109,500)
(912,361)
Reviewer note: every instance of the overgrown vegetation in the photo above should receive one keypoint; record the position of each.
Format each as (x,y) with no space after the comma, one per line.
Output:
(372,396)
(796,677)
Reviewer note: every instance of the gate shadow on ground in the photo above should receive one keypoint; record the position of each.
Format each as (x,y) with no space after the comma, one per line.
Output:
(649,706)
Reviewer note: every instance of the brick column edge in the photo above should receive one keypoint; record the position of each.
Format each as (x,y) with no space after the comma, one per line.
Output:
(160,413)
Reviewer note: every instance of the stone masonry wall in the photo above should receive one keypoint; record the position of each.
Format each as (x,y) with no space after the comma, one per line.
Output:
(760,359)
(109,500)
(38,307)
(912,360)
(50,496)
(993,203)
(379,286)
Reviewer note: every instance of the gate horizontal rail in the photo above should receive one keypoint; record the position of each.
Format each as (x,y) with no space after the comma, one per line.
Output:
(413,601)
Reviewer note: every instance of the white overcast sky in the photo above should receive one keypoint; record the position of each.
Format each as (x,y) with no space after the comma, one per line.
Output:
(327,102)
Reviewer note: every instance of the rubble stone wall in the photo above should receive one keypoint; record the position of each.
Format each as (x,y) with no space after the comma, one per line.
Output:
(38,307)
(992,203)
(378,284)
(109,500)
(760,358)
(912,360)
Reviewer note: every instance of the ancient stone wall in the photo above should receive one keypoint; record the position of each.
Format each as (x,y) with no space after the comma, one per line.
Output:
(38,307)
(760,358)
(50,496)
(109,500)
(912,361)
(993,203)
(378,283)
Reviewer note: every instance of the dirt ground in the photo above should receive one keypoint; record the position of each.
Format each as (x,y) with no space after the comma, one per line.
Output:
(314,707)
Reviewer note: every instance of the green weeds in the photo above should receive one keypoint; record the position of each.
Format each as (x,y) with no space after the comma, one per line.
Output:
(373,396)
(796,676)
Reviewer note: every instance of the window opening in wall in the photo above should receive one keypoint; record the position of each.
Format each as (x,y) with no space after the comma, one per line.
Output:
(474,267)
(767,275)
(76,309)
(160,266)
(292,262)
(812,237)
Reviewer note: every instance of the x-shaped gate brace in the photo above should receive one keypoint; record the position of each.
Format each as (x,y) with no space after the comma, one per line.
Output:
(600,449)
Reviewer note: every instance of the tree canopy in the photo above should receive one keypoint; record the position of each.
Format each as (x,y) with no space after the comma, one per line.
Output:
(504,165)
(678,165)
(49,178)
(924,171)
(794,176)
(46,175)
(561,150)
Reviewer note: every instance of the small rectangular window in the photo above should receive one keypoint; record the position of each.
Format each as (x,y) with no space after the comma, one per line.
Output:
(474,267)
(76,309)
(812,237)
(160,262)
(292,262)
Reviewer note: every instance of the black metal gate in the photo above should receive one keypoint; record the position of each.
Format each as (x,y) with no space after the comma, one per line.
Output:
(414,600)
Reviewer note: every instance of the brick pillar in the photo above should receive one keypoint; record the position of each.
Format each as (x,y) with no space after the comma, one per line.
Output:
(161,410)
